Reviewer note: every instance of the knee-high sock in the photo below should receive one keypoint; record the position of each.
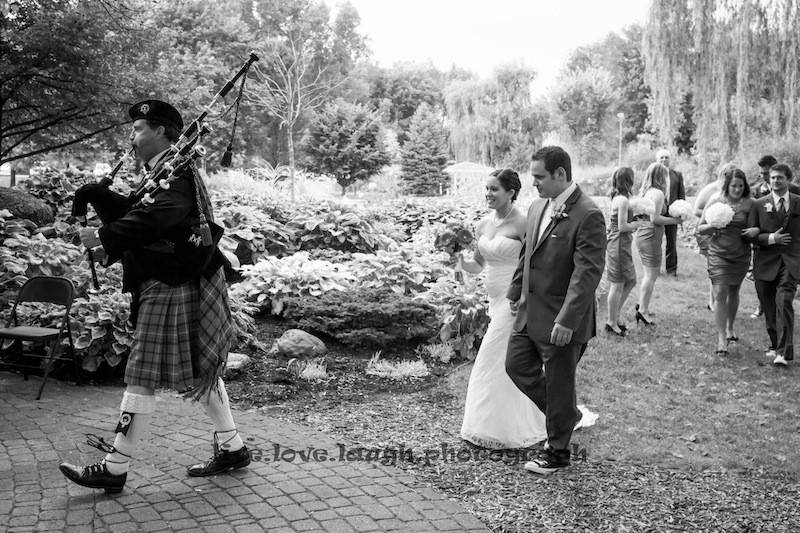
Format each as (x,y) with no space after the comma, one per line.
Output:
(218,409)
(136,410)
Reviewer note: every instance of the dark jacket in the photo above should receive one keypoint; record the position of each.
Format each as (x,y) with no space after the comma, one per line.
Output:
(157,241)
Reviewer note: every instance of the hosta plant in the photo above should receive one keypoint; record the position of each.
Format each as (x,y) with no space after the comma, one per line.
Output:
(337,229)
(270,281)
(22,257)
(462,312)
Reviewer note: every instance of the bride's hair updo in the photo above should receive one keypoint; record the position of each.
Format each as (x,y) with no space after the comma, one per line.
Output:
(509,179)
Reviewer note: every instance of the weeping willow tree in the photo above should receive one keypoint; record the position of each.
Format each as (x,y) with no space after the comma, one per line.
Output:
(737,58)
(493,121)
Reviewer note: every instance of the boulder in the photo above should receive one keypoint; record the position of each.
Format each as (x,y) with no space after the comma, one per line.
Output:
(298,343)
(25,205)
(236,363)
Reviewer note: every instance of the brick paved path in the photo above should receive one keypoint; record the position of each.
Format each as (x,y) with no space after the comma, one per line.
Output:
(315,495)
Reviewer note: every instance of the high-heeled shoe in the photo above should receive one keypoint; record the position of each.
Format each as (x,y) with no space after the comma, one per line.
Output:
(622,327)
(610,329)
(641,318)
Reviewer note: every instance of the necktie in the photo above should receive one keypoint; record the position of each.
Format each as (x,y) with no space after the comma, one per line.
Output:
(545,221)
(782,206)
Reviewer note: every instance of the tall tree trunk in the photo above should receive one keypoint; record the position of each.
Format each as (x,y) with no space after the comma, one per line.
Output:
(290,143)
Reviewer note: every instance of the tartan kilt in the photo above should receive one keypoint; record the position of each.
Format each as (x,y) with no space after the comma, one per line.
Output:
(183,334)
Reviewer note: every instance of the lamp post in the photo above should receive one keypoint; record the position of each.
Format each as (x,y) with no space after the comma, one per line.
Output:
(620,117)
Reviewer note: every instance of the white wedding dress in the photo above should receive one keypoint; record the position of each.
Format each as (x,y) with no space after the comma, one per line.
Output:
(497,414)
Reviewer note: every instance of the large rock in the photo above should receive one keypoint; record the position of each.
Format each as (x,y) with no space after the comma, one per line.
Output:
(25,205)
(298,343)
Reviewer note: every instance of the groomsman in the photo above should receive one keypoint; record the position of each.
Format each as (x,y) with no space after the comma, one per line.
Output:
(675,191)
(774,227)
(760,186)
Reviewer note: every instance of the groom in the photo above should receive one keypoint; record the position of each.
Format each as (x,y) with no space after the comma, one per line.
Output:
(552,296)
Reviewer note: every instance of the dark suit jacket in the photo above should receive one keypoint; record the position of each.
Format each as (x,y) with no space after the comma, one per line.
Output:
(559,274)
(767,258)
(676,188)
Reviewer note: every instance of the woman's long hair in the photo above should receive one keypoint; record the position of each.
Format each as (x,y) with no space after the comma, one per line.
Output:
(622,182)
(655,177)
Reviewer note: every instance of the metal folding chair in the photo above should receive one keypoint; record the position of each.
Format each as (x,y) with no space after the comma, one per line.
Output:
(41,289)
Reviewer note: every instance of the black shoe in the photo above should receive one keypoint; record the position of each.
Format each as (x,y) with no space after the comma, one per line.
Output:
(640,318)
(549,461)
(94,476)
(622,327)
(223,461)
(610,329)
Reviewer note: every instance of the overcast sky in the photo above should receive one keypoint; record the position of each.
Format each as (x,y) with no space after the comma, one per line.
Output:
(479,35)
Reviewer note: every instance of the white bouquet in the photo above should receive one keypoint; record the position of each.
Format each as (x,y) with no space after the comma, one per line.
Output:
(642,207)
(719,215)
(681,209)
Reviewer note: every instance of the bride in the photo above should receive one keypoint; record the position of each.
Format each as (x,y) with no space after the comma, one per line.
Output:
(497,414)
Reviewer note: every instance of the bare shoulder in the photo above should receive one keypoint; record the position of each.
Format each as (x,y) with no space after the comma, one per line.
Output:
(618,201)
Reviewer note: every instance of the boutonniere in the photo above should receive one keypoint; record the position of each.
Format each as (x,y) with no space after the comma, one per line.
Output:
(769,208)
(560,213)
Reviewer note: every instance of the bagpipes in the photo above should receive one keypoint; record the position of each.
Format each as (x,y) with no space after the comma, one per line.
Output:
(110,205)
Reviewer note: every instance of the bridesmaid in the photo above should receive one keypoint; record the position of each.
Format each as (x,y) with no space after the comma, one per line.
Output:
(649,237)
(620,272)
(706,195)
(728,255)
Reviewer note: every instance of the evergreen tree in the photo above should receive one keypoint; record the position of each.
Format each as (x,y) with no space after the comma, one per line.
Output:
(424,154)
(684,140)
(344,141)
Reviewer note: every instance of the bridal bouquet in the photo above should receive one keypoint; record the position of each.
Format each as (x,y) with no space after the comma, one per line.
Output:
(719,215)
(453,239)
(681,209)
(642,207)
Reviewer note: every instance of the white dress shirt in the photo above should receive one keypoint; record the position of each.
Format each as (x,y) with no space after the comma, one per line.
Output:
(776,201)
(551,207)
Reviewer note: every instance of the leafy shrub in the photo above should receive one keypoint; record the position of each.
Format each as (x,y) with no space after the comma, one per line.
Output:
(270,281)
(410,215)
(397,271)
(99,323)
(363,317)
(336,228)
(55,187)
(462,311)
(11,226)
(242,313)
(254,233)
(101,328)
(22,257)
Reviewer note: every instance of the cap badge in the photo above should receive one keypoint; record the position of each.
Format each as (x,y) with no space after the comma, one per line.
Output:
(144,109)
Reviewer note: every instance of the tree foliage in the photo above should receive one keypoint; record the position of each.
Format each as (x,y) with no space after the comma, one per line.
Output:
(68,74)
(344,141)
(493,121)
(583,100)
(733,95)
(618,59)
(401,90)
(424,154)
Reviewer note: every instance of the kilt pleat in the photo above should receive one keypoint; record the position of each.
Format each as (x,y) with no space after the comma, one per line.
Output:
(182,336)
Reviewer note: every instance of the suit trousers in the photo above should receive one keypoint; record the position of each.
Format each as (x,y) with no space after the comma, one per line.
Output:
(776,298)
(545,373)
(670,248)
